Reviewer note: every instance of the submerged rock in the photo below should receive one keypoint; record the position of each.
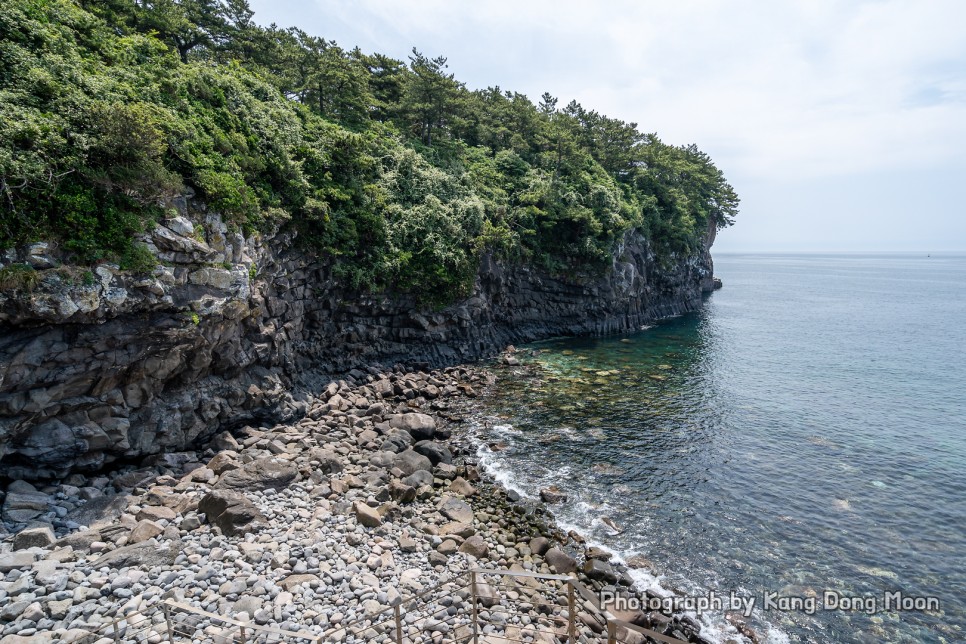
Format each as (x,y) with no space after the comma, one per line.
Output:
(553,494)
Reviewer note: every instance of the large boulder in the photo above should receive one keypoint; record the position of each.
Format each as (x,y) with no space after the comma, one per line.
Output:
(102,510)
(539,545)
(410,462)
(553,494)
(262,474)
(419,478)
(600,571)
(40,537)
(456,510)
(328,461)
(142,555)
(23,506)
(560,562)
(144,530)
(397,441)
(420,426)
(476,546)
(401,492)
(231,511)
(367,516)
(436,452)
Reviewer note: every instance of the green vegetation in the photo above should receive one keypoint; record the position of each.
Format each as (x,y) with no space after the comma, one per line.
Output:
(395,170)
(18,278)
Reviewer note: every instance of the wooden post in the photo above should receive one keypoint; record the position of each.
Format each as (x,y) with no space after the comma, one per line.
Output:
(611,632)
(167,620)
(243,639)
(571,614)
(398,615)
(476,619)
(117,632)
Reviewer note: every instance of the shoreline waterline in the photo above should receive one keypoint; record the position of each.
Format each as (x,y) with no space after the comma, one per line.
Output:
(310,526)
(799,437)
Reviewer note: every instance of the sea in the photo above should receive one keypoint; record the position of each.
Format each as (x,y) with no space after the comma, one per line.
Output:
(800,441)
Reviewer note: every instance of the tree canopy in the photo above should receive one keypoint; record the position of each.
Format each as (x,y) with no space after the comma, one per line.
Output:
(394,169)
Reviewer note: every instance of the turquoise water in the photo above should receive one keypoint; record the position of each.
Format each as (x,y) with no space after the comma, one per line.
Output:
(805,432)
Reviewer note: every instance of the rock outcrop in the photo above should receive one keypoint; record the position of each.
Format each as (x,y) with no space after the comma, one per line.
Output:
(103,365)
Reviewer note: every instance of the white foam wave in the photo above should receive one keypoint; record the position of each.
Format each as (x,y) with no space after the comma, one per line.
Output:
(584,517)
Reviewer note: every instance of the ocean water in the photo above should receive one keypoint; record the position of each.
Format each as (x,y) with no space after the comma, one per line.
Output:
(802,436)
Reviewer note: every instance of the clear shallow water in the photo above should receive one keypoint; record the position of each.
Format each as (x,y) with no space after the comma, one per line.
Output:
(804,432)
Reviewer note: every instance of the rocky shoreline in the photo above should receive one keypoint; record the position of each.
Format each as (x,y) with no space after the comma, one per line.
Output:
(309,526)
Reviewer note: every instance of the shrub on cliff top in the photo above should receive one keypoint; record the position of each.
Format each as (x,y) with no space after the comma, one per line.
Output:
(397,172)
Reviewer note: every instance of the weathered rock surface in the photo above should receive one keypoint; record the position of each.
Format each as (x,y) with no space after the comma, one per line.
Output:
(410,462)
(259,475)
(560,562)
(33,538)
(231,511)
(230,331)
(421,427)
(143,555)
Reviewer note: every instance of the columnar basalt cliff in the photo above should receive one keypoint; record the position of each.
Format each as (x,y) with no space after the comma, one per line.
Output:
(102,365)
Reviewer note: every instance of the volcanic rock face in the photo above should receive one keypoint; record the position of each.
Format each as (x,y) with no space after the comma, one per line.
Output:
(102,365)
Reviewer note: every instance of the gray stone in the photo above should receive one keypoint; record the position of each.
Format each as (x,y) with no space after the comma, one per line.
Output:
(223,462)
(13,610)
(262,474)
(38,257)
(397,441)
(59,609)
(419,426)
(181,226)
(33,613)
(52,578)
(231,511)
(16,561)
(553,494)
(156,513)
(329,463)
(80,540)
(143,531)
(456,510)
(539,545)
(475,546)
(486,594)
(418,479)
(436,452)
(248,604)
(98,511)
(369,517)
(560,562)
(447,547)
(410,461)
(142,555)
(21,507)
(461,486)
(600,571)
(41,537)
(402,493)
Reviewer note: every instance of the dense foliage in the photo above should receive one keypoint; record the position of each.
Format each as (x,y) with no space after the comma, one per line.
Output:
(110,108)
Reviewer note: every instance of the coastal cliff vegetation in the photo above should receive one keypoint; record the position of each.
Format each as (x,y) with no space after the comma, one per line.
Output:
(394,170)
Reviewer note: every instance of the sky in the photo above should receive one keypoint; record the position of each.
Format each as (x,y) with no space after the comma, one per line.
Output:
(841,125)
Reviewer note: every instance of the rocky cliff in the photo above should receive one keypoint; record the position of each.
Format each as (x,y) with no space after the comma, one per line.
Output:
(102,365)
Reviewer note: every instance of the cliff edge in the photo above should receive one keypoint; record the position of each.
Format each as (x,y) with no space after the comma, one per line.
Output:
(102,365)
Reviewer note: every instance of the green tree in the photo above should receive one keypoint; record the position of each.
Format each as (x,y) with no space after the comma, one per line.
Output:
(429,96)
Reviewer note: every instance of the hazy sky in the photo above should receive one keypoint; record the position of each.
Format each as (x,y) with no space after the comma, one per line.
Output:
(842,125)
